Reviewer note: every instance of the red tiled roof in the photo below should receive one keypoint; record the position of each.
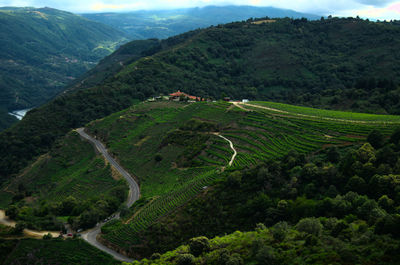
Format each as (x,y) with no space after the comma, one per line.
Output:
(179,94)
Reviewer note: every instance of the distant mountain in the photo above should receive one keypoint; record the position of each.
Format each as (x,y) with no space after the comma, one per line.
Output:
(165,23)
(44,49)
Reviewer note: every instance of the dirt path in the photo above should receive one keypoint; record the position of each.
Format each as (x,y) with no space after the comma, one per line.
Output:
(232,147)
(27,232)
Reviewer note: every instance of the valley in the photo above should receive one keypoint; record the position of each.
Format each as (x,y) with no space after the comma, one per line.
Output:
(43,50)
(265,141)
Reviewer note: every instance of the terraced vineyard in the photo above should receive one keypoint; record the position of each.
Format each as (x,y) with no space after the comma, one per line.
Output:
(258,134)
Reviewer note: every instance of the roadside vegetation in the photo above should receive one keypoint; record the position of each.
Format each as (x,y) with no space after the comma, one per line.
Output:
(69,184)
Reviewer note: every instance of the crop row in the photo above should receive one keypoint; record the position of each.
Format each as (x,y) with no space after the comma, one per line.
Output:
(160,206)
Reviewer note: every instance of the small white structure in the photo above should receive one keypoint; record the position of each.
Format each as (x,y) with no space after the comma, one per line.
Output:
(245,100)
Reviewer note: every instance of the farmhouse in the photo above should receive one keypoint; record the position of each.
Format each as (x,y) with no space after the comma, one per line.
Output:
(177,96)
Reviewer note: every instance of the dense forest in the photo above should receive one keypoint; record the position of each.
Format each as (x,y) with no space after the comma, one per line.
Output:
(43,50)
(335,63)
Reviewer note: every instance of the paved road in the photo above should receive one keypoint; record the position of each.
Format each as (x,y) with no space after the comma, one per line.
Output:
(134,194)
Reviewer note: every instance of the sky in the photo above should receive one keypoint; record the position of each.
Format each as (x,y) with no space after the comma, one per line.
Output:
(373,9)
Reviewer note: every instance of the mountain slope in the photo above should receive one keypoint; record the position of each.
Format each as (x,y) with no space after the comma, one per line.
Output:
(43,50)
(165,23)
(286,60)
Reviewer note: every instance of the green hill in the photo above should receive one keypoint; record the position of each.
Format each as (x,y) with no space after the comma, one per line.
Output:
(161,24)
(43,50)
(292,163)
(326,63)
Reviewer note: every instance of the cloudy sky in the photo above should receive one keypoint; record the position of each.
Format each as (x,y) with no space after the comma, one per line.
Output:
(377,9)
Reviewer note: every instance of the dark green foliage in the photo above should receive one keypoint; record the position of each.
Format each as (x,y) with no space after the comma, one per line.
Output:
(265,194)
(185,259)
(199,245)
(375,138)
(52,251)
(42,50)
(310,226)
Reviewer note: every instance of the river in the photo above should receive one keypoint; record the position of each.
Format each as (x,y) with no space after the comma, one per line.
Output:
(19,113)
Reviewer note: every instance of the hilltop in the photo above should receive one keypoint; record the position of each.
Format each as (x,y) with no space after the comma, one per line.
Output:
(44,49)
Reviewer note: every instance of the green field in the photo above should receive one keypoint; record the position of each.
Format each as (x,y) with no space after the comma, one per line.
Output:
(326,114)
(55,251)
(170,149)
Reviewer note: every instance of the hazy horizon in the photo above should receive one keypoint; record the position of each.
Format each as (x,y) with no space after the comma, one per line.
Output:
(373,9)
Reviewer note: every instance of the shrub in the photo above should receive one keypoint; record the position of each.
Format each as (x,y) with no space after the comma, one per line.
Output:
(375,138)
(158,157)
(47,236)
(185,259)
(279,231)
(199,245)
(266,256)
(310,226)
(235,259)
(155,256)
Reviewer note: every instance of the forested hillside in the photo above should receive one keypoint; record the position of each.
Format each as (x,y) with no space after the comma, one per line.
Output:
(161,24)
(44,49)
(334,63)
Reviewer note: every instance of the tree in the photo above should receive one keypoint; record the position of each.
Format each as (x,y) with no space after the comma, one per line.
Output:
(375,138)
(356,184)
(310,226)
(185,259)
(333,154)
(199,245)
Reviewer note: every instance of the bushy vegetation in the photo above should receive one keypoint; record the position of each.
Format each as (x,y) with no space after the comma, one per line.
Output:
(43,50)
(356,244)
(69,184)
(351,191)
(51,251)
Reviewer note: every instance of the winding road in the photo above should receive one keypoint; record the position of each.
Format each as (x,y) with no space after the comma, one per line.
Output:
(134,194)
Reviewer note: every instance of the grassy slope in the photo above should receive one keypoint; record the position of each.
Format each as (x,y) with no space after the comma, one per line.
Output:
(30,251)
(136,135)
(239,59)
(71,169)
(44,49)
(71,172)
(320,113)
